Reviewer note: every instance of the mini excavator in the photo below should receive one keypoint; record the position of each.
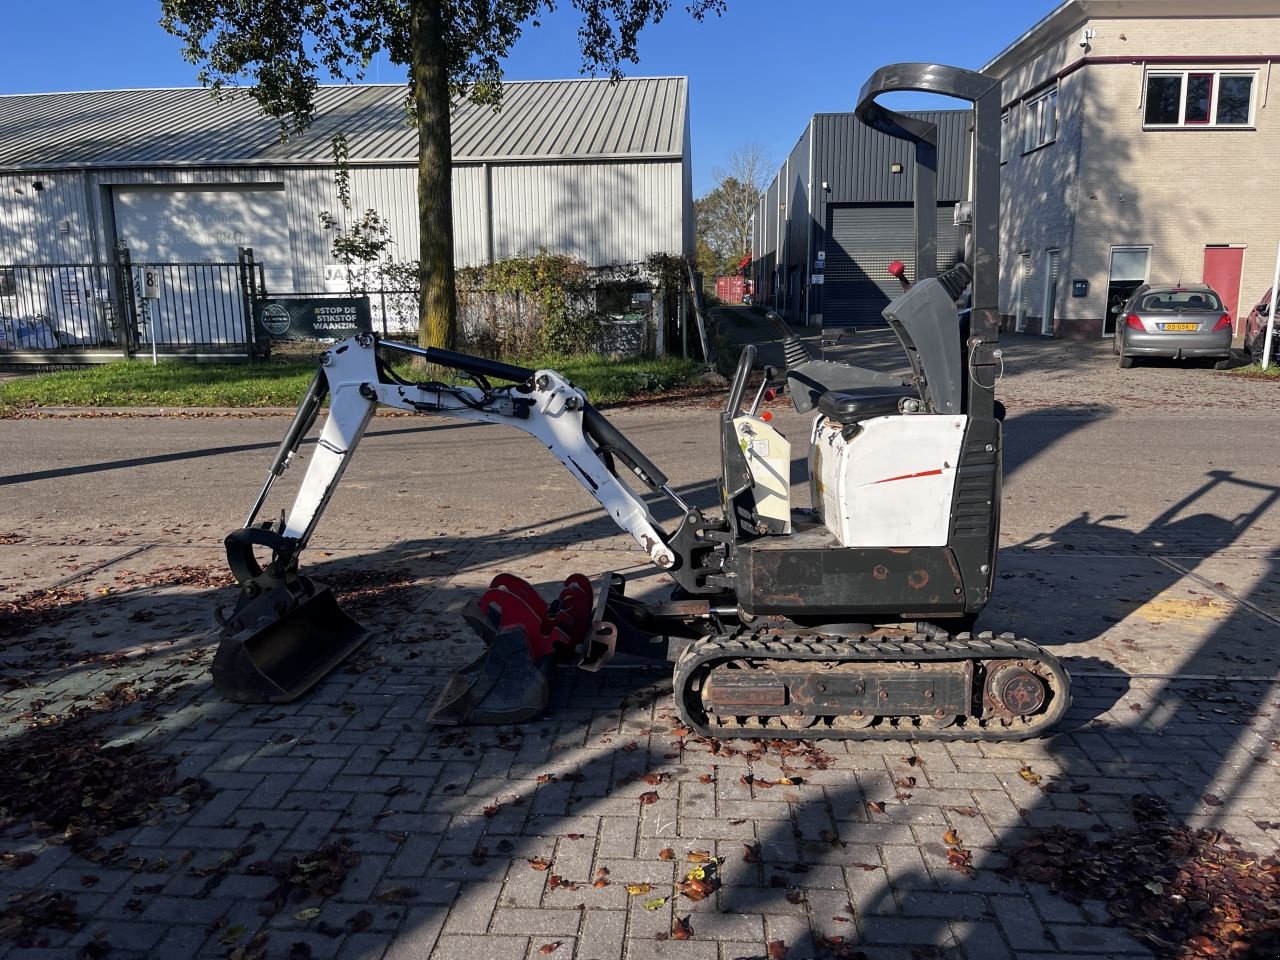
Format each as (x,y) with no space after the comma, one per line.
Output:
(851,619)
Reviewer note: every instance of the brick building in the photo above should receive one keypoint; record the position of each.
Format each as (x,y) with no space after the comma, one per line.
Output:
(1138,146)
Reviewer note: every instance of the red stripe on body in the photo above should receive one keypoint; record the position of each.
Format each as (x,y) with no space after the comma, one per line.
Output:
(910,476)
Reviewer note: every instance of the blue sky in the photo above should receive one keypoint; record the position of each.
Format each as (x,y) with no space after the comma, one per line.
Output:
(755,75)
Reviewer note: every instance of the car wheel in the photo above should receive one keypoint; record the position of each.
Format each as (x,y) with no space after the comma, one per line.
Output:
(1125,362)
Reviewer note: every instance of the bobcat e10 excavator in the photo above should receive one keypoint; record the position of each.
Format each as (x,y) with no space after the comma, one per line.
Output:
(849,620)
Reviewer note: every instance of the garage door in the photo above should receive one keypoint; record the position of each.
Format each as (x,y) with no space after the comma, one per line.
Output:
(203,224)
(863,239)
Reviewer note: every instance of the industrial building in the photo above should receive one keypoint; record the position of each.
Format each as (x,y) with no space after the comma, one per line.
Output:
(586,167)
(840,211)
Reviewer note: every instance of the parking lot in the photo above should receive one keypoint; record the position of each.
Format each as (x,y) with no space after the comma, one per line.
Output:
(1140,530)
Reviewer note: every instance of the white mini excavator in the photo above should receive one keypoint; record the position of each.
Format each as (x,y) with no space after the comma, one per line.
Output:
(852,619)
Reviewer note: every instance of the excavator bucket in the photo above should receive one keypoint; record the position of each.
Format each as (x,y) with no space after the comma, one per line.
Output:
(523,635)
(502,685)
(278,647)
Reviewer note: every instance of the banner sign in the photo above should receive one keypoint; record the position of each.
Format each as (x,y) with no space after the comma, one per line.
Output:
(312,318)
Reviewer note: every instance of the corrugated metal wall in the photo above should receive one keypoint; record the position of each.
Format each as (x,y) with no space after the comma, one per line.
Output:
(855,163)
(605,212)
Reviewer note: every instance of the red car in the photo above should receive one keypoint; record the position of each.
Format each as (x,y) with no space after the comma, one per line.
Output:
(1255,329)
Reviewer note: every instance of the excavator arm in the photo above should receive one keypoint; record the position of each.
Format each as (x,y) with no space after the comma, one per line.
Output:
(284,633)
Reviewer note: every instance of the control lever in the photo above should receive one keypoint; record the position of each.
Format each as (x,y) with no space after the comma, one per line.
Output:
(770,374)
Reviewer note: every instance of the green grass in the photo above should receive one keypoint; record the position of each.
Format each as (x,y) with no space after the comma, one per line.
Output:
(1255,372)
(136,383)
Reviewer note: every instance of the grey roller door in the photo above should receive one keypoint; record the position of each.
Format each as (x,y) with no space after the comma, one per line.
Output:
(862,240)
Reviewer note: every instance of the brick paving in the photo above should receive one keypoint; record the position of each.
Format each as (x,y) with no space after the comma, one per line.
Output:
(445,821)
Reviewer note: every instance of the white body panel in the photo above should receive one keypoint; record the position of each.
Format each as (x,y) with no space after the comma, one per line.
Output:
(892,484)
(768,456)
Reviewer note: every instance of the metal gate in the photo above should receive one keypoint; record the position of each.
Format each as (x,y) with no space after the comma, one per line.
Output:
(862,240)
(97,312)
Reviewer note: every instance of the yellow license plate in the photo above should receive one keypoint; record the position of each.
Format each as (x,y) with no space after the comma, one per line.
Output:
(1180,326)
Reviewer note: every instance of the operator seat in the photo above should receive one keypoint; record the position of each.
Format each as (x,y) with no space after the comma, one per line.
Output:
(850,406)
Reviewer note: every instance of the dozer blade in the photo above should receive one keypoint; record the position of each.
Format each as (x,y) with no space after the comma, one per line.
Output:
(277,648)
(502,685)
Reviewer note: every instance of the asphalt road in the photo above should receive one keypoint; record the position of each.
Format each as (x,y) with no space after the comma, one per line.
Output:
(183,478)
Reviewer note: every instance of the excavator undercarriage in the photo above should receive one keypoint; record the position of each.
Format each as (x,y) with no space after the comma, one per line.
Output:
(853,618)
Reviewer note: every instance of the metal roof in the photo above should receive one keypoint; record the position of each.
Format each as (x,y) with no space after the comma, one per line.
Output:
(639,117)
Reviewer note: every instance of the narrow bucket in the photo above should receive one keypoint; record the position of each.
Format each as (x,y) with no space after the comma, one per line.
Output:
(502,685)
(278,661)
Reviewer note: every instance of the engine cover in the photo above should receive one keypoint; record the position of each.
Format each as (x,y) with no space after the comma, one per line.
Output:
(886,481)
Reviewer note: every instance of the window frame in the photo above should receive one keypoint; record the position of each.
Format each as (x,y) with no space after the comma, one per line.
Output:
(1008,133)
(1036,112)
(1216,78)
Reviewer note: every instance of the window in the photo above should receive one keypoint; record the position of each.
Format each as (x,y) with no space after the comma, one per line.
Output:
(1007,135)
(8,282)
(1198,98)
(1040,120)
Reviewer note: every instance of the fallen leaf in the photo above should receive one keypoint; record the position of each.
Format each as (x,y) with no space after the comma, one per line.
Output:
(544,777)
(964,811)
(655,904)
(666,854)
(777,950)
(539,863)
(951,838)
(1212,800)
(550,947)
(681,929)
(751,853)
(602,872)
(636,889)
(492,809)
(232,934)
(649,797)
(396,894)
(308,914)
(600,883)
(680,731)
(699,856)
(905,782)
(706,778)
(875,806)
(912,761)
(795,896)
(1029,775)
(867,866)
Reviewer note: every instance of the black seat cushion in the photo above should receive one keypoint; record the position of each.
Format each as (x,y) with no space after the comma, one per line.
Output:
(847,406)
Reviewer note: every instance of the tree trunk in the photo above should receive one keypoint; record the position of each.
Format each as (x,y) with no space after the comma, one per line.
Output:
(437,309)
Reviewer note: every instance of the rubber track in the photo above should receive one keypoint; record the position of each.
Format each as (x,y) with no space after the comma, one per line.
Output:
(870,649)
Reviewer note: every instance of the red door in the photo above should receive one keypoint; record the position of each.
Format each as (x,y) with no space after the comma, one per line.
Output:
(1222,272)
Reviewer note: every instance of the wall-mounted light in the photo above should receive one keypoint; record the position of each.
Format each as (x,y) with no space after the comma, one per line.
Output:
(37,185)
(826,186)
(895,168)
(64,226)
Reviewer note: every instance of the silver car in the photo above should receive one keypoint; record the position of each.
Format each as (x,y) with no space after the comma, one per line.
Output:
(1179,321)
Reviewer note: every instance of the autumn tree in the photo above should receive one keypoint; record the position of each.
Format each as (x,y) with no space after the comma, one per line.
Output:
(724,214)
(450,48)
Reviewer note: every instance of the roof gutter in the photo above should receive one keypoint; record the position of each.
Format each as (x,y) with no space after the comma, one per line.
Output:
(81,166)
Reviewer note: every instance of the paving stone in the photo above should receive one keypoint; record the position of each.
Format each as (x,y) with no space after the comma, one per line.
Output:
(453,947)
